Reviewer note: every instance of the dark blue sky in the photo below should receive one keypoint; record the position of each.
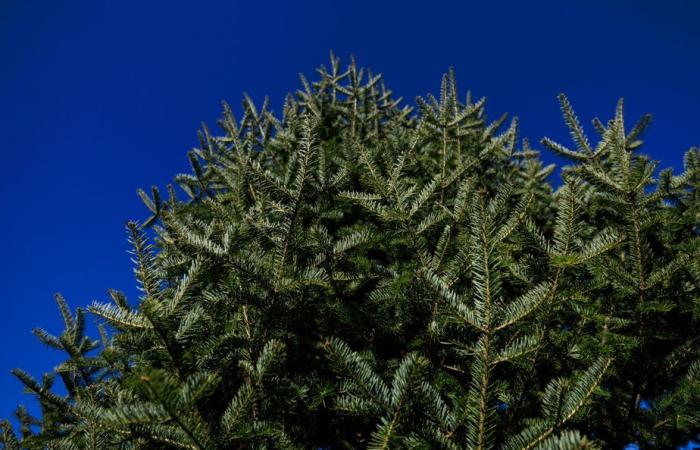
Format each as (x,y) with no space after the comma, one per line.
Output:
(100,98)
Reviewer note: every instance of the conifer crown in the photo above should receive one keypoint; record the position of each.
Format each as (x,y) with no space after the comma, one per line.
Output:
(358,273)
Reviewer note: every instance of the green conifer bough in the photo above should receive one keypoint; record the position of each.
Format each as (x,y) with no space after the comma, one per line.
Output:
(360,274)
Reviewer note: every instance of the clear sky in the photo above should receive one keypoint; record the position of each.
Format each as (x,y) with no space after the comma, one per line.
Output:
(99,98)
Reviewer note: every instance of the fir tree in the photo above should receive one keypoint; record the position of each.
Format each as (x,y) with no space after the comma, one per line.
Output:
(356,273)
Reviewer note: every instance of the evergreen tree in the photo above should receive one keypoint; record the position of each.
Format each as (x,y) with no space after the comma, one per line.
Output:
(361,274)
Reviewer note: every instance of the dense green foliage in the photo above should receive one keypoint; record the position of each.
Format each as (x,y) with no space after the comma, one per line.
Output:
(360,274)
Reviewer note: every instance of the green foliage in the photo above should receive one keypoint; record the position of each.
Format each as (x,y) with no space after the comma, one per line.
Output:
(358,274)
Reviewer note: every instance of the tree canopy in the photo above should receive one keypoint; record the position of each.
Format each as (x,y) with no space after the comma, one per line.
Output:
(359,273)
